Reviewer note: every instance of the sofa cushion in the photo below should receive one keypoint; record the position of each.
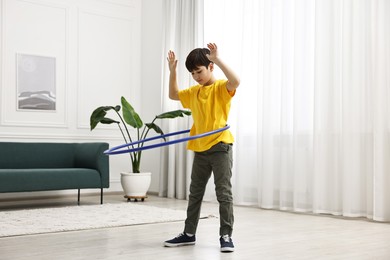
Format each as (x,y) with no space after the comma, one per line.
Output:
(14,180)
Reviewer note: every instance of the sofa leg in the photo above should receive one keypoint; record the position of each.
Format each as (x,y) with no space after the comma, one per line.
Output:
(101,195)
(78,197)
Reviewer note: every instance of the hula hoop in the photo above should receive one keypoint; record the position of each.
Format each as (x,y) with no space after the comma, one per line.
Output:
(116,149)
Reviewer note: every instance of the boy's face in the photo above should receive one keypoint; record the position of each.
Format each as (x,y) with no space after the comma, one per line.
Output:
(203,75)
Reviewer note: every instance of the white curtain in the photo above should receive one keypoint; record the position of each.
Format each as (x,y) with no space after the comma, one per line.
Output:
(312,120)
(312,115)
(183,31)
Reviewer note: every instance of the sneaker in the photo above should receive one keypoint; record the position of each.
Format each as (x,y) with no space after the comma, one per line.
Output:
(181,240)
(226,243)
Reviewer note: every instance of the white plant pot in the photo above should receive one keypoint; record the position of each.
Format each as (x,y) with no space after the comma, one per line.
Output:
(136,184)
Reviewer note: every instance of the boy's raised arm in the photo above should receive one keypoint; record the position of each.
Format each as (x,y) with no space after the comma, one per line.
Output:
(173,87)
(233,79)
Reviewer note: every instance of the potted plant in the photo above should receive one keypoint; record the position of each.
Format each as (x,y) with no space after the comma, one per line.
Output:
(129,117)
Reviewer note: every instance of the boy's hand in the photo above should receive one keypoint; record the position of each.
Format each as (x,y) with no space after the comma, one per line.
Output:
(213,56)
(173,88)
(172,62)
(233,79)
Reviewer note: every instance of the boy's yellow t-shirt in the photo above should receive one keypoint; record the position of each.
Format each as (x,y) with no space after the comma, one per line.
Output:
(210,106)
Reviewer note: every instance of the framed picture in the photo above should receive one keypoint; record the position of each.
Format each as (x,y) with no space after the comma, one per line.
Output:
(36,82)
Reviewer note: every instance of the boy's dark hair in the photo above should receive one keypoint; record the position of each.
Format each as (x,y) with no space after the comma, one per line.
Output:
(197,58)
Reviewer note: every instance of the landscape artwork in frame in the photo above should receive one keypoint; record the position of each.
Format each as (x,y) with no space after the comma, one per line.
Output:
(36,82)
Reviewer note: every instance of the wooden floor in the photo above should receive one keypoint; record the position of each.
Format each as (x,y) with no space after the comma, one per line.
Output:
(258,234)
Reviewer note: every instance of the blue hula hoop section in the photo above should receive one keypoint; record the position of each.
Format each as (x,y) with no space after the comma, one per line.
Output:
(118,149)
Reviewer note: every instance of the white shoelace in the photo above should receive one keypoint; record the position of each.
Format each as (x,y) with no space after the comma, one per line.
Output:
(226,238)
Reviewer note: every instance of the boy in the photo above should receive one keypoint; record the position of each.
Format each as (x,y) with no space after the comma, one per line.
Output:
(209,102)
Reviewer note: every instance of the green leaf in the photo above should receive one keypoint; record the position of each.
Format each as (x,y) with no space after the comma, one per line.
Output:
(156,128)
(174,114)
(108,121)
(98,116)
(130,116)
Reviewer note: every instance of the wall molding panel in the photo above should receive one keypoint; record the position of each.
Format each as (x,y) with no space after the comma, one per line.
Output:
(26,31)
(113,71)
(96,44)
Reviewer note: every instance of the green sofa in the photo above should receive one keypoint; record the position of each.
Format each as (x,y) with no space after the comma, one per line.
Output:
(26,167)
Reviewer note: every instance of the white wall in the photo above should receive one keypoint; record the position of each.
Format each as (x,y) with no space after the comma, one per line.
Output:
(97,47)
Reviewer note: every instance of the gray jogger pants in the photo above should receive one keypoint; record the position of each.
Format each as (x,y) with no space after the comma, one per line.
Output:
(219,160)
